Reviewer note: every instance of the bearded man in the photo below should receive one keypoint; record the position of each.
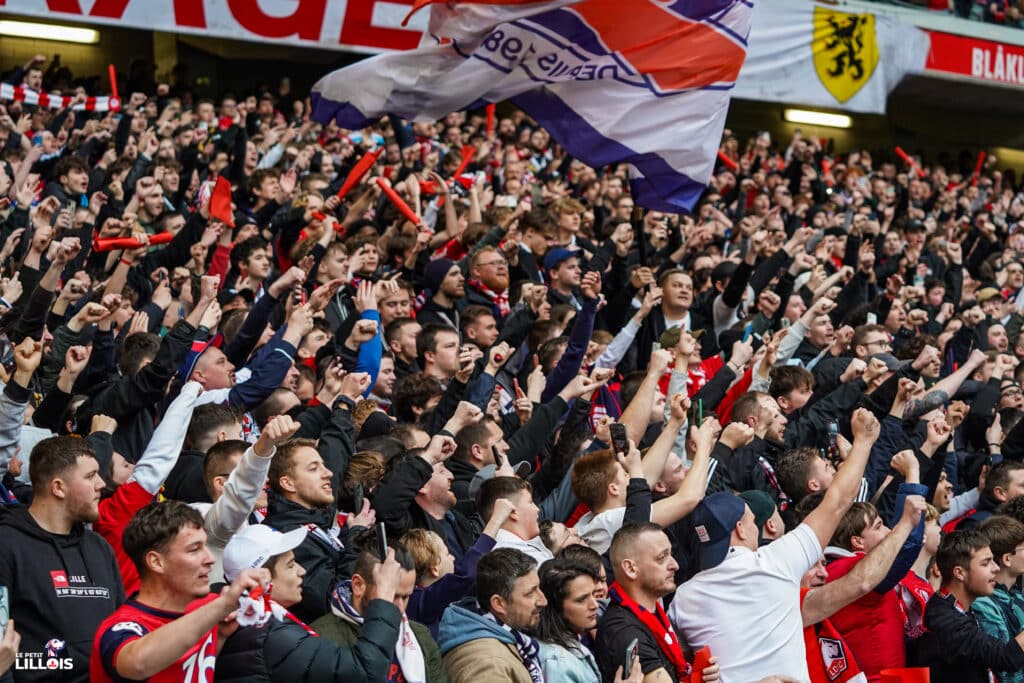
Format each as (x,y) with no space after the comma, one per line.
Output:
(488,282)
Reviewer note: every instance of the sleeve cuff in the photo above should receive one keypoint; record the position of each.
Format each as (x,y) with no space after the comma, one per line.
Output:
(16,392)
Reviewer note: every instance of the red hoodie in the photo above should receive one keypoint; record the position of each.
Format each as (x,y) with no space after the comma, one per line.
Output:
(872,626)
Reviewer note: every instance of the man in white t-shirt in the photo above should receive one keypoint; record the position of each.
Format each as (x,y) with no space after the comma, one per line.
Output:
(745,601)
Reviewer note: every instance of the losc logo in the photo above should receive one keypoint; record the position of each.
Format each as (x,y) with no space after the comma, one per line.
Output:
(54,647)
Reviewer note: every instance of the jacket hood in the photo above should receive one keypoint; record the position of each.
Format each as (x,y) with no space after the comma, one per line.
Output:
(987,503)
(286,515)
(461,469)
(834,552)
(460,625)
(17,517)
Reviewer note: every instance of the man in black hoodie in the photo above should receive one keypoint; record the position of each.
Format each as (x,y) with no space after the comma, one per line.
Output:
(62,578)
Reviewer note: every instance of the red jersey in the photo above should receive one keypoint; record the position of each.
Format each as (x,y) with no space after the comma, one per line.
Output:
(132,621)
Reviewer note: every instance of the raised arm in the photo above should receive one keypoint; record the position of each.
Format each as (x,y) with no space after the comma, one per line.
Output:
(14,400)
(164,447)
(821,603)
(841,494)
(245,482)
(638,413)
(670,510)
(654,461)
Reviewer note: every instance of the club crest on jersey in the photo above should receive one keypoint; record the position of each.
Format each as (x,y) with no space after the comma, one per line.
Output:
(834,655)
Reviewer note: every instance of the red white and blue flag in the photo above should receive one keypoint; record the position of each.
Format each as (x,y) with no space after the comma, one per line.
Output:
(644,82)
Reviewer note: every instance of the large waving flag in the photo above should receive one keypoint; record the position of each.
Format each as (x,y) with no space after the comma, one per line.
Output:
(640,81)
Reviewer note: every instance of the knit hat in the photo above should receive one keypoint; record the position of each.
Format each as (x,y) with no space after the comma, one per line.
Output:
(486,473)
(763,507)
(376,424)
(435,272)
(891,362)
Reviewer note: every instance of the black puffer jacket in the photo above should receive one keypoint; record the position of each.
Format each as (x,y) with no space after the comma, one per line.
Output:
(323,557)
(287,652)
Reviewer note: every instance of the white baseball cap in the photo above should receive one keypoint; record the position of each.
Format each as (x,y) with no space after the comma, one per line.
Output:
(251,547)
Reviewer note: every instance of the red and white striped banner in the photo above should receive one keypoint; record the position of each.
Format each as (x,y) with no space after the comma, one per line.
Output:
(42,99)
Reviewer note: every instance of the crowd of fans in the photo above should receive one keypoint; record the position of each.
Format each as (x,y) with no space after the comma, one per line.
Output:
(1002,12)
(309,438)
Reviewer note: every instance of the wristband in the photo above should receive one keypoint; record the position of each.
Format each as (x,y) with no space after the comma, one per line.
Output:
(345,401)
(126,262)
(445,432)
(5,302)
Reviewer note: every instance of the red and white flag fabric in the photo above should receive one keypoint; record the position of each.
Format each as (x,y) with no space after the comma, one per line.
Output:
(645,82)
(18,93)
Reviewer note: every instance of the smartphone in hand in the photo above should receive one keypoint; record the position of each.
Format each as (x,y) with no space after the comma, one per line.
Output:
(499,457)
(620,441)
(357,498)
(382,542)
(632,652)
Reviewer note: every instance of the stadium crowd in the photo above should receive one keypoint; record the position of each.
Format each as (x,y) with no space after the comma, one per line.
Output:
(1002,12)
(532,433)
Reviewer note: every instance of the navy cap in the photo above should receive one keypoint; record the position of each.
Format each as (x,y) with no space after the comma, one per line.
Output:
(555,256)
(713,521)
(192,357)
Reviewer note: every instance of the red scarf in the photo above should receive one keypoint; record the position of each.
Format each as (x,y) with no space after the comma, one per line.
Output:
(500,301)
(658,624)
(829,659)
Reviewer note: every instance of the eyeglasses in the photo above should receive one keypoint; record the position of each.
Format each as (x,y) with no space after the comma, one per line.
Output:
(496,262)
(884,343)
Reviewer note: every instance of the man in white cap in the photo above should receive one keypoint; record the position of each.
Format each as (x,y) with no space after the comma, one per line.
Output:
(274,644)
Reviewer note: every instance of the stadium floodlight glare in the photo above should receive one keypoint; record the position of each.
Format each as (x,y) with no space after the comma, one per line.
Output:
(36,31)
(817,118)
